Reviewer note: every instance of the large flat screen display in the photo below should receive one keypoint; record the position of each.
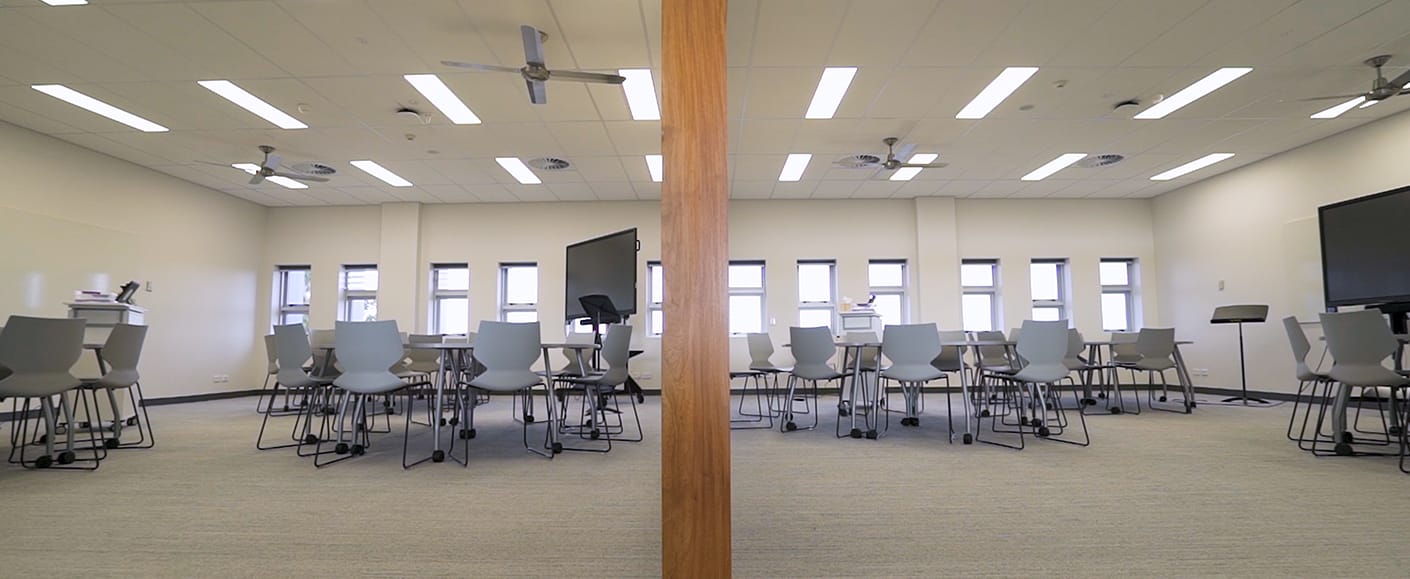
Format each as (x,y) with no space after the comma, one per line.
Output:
(605,265)
(1366,249)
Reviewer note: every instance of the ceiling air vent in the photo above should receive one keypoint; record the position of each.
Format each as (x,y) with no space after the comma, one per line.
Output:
(549,163)
(858,161)
(1103,160)
(313,168)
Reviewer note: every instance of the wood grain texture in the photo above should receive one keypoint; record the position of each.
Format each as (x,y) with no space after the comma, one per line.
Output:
(695,438)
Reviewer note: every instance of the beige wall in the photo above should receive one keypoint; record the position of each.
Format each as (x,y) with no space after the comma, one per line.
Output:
(1255,228)
(71,218)
(931,234)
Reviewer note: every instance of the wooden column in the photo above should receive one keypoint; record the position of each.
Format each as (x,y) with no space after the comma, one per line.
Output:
(695,438)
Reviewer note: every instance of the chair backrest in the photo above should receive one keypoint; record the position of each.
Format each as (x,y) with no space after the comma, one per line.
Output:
(121,352)
(1156,343)
(1075,344)
(869,355)
(507,350)
(323,338)
(812,348)
(1043,346)
(1359,342)
(948,360)
(39,353)
(761,348)
(1123,347)
(271,355)
(616,348)
(910,344)
(1297,339)
(573,367)
(369,350)
(292,347)
(424,355)
(992,355)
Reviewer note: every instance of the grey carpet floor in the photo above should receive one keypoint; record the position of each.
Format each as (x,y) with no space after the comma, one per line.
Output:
(1220,493)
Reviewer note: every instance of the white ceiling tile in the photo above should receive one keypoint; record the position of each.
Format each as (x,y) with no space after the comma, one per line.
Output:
(613,190)
(604,35)
(216,53)
(532,193)
(635,137)
(794,190)
(647,190)
(796,32)
(572,192)
(751,189)
(960,30)
(609,169)
(274,34)
(829,189)
(876,189)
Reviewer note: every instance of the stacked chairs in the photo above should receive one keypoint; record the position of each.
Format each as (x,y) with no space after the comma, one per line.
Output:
(119,356)
(292,350)
(600,405)
(1308,381)
(1033,395)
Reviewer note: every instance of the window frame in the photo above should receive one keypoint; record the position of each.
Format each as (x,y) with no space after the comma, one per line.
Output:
(505,307)
(655,310)
(831,304)
(346,296)
(439,295)
(282,307)
(900,291)
(1063,303)
(1128,290)
(760,291)
(993,291)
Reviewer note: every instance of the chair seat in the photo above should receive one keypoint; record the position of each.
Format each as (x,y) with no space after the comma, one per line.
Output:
(821,375)
(1150,364)
(768,369)
(744,373)
(910,373)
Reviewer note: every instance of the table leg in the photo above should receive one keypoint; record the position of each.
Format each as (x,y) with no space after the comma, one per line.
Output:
(964,394)
(1186,384)
(551,402)
(1339,413)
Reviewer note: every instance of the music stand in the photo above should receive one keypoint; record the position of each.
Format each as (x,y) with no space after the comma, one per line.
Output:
(601,310)
(1241,314)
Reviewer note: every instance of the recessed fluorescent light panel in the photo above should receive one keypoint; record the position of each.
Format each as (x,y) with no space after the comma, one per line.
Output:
(284,182)
(1194,92)
(380,172)
(93,105)
(518,170)
(1053,166)
(908,173)
(65,2)
(641,94)
(831,88)
(1336,111)
(999,89)
(1192,166)
(794,166)
(252,103)
(653,164)
(431,87)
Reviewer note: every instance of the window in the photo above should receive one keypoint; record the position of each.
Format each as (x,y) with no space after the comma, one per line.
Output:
(746,297)
(979,282)
(291,291)
(655,297)
(450,298)
(817,290)
(1118,280)
(359,293)
(519,292)
(887,280)
(1048,282)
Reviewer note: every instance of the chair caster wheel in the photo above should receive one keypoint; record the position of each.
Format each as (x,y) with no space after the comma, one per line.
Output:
(969,439)
(1037,423)
(286,407)
(843,412)
(311,439)
(66,457)
(529,418)
(1347,437)
(984,413)
(1044,432)
(110,443)
(1193,404)
(464,434)
(438,456)
(557,448)
(443,422)
(1089,402)
(856,433)
(43,438)
(1023,421)
(871,435)
(470,433)
(595,434)
(342,448)
(790,426)
(454,421)
(358,450)
(1394,431)
(1344,449)
(45,461)
(1116,410)
(1048,406)
(132,421)
(1102,395)
(1163,399)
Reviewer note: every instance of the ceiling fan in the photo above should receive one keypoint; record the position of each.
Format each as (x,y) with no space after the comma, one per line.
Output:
(1381,89)
(535,72)
(270,168)
(892,161)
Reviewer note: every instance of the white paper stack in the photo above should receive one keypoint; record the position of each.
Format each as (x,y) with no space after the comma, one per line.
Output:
(94,296)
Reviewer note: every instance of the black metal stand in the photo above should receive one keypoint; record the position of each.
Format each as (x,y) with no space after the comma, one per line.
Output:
(1241,314)
(1243,375)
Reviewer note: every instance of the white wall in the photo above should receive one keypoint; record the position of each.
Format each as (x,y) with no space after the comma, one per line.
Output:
(1255,228)
(71,218)
(931,234)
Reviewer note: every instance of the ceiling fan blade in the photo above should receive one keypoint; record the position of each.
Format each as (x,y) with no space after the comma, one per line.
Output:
(581,76)
(271,162)
(538,93)
(1326,98)
(924,165)
(905,151)
(533,45)
(475,66)
(301,177)
(1402,80)
(257,178)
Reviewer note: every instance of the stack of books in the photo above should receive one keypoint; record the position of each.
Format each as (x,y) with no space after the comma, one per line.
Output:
(94,297)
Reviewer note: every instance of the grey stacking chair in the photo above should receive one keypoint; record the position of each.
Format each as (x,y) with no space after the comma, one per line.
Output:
(292,349)
(812,349)
(761,353)
(1359,343)
(1157,349)
(870,366)
(507,351)
(912,350)
(1125,354)
(271,368)
(1080,366)
(38,352)
(370,350)
(121,353)
(1044,345)
(1307,378)
(600,387)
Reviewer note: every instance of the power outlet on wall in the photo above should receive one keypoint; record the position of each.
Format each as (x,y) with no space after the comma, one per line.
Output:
(220,378)
(1201,372)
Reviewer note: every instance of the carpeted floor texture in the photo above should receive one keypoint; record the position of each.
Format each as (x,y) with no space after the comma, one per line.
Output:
(1219,493)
